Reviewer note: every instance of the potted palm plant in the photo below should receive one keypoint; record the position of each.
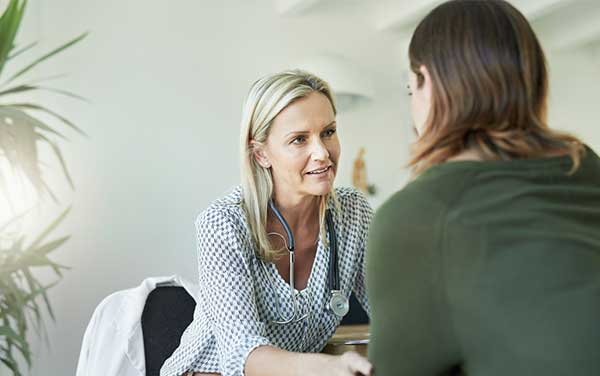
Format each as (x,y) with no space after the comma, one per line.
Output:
(23,297)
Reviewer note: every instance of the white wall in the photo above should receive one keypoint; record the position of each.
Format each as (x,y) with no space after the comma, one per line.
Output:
(574,94)
(166,81)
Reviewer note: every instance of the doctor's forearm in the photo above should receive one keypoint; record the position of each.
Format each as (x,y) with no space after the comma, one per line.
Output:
(267,361)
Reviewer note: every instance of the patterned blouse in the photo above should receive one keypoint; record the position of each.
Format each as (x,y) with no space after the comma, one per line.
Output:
(241,296)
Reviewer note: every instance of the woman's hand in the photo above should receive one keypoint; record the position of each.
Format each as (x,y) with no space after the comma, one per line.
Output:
(349,364)
(271,361)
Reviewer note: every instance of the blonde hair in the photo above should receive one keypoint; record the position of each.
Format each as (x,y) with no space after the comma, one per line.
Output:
(267,98)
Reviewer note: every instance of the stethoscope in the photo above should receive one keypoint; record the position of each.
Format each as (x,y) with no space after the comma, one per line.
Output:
(338,303)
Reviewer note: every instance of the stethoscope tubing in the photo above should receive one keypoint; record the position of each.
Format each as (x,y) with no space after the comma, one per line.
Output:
(333,277)
(290,247)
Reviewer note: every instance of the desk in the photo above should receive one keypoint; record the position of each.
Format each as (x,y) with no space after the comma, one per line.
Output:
(348,338)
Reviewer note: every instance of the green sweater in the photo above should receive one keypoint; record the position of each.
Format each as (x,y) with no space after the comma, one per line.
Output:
(492,267)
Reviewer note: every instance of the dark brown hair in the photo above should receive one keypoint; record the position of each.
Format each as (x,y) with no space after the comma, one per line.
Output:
(489,86)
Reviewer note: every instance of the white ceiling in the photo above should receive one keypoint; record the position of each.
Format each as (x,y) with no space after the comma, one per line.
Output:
(561,24)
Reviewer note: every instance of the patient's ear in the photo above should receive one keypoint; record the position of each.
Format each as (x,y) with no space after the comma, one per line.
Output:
(259,154)
(425,82)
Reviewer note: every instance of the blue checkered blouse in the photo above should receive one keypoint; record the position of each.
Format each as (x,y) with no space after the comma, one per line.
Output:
(237,302)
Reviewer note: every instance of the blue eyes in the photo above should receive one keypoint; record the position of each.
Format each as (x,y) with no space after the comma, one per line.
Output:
(299,140)
(302,139)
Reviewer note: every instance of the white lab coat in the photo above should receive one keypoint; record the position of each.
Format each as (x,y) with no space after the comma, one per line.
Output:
(113,343)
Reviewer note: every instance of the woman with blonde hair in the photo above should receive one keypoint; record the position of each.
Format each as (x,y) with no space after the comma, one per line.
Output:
(488,262)
(279,256)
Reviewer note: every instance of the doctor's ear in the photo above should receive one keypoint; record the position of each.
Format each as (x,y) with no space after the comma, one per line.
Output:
(259,154)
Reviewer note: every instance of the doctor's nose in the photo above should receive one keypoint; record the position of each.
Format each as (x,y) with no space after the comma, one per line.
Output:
(319,151)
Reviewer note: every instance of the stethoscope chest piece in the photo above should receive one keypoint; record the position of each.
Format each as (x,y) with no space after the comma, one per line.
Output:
(338,303)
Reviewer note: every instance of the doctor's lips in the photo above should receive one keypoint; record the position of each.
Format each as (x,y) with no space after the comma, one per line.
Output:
(319,171)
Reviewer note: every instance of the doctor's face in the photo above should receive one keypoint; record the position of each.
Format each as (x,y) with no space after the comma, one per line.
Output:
(302,148)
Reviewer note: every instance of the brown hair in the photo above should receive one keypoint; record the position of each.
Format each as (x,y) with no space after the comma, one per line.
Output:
(489,86)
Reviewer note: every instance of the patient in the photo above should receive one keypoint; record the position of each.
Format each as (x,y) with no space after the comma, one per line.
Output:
(488,262)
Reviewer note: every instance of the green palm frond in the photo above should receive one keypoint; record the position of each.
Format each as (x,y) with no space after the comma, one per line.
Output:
(24,300)
(45,57)
(20,292)
(36,107)
(28,87)
(21,50)
(9,25)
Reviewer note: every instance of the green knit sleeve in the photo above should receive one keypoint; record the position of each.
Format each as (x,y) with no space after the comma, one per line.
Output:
(410,331)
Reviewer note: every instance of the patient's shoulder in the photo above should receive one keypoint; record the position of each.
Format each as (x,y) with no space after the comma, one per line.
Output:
(417,202)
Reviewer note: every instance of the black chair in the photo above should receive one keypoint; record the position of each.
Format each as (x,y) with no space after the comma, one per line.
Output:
(167,313)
